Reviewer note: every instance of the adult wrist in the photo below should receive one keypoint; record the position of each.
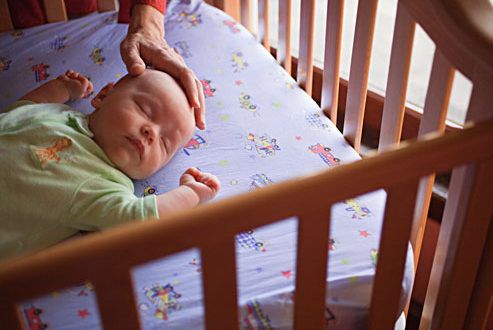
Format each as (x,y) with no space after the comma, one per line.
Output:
(147,19)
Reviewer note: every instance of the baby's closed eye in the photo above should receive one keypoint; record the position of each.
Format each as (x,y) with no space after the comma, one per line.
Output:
(142,110)
(163,143)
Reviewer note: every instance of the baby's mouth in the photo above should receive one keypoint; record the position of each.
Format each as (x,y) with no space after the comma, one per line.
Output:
(138,146)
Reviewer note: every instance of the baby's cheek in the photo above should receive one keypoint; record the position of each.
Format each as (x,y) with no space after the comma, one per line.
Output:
(119,156)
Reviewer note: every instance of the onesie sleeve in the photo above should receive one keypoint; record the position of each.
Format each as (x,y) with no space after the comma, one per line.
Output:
(17,104)
(10,118)
(99,203)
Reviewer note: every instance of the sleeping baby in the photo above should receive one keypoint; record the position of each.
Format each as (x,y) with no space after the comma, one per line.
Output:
(63,172)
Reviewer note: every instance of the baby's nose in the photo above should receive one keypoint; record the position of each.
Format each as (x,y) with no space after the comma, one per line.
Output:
(149,133)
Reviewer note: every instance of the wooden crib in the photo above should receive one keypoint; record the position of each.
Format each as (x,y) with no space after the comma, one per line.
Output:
(460,290)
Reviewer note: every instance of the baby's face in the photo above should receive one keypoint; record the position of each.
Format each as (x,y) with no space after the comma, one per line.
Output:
(142,122)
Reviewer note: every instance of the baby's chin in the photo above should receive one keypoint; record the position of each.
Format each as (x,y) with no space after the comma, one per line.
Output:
(130,170)
(139,173)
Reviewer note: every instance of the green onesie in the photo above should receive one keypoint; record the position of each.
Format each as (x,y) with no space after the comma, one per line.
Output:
(55,180)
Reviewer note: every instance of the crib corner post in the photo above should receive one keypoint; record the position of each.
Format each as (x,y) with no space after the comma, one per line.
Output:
(107,5)
(230,7)
(5,19)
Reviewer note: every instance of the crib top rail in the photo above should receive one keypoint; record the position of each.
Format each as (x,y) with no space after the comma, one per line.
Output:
(55,11)
(462,30)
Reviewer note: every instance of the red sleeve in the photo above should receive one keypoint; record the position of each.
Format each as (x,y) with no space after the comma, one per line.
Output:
(76,8)
(26,13)
(126,8)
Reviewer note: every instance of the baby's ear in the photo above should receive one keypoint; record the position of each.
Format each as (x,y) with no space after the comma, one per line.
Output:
(98,99)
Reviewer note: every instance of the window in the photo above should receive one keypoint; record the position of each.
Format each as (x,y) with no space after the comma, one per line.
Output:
(421,62)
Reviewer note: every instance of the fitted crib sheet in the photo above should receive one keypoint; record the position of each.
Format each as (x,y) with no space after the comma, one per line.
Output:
(261,129)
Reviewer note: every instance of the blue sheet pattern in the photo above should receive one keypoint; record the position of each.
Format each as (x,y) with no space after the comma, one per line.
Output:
(261,129)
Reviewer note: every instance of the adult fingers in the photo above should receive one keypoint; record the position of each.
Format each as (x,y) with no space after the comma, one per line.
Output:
(167,60)
(199,112)
(188,82)
(178,56)
(129,49)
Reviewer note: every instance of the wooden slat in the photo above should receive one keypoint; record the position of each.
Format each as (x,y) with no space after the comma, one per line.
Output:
(311,269)
(396,229)
(230,7)
(284,48)
(332,58)
(305,58)
(481,303)
(115,288)
(395,92)
(5,20)
(437,95)
(107,5)
(219,283)
(358,76)
(463,218)
(458,29)
(10,316)
(55,11)
(246,14)
(263,23)
(481,96)
(433,120)
(464,227)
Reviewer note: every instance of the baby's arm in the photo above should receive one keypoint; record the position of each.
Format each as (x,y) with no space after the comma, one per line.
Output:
(69,86)
(195,187)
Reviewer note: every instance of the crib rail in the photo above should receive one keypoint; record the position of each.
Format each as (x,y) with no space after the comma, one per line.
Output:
(95,258)
(332,59)
(5,20)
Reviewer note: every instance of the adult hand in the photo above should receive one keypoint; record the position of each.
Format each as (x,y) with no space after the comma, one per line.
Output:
(145,44)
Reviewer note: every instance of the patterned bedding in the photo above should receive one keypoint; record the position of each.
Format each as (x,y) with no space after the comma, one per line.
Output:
(261,129)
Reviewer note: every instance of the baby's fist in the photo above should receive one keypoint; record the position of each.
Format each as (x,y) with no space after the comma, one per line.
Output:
(205,185)
(77,85)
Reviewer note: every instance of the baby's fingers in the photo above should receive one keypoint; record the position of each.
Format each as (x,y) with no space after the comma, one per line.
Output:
(190,174)
(211,181)
(70,73)
(193,171)
(86,84)
(88,88)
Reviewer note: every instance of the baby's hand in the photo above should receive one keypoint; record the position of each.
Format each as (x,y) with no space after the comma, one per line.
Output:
(78,86)
(205,185)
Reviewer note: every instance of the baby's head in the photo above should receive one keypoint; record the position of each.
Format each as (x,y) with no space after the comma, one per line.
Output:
(141,122)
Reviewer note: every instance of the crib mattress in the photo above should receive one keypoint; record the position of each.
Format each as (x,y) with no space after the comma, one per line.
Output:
(261,129)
